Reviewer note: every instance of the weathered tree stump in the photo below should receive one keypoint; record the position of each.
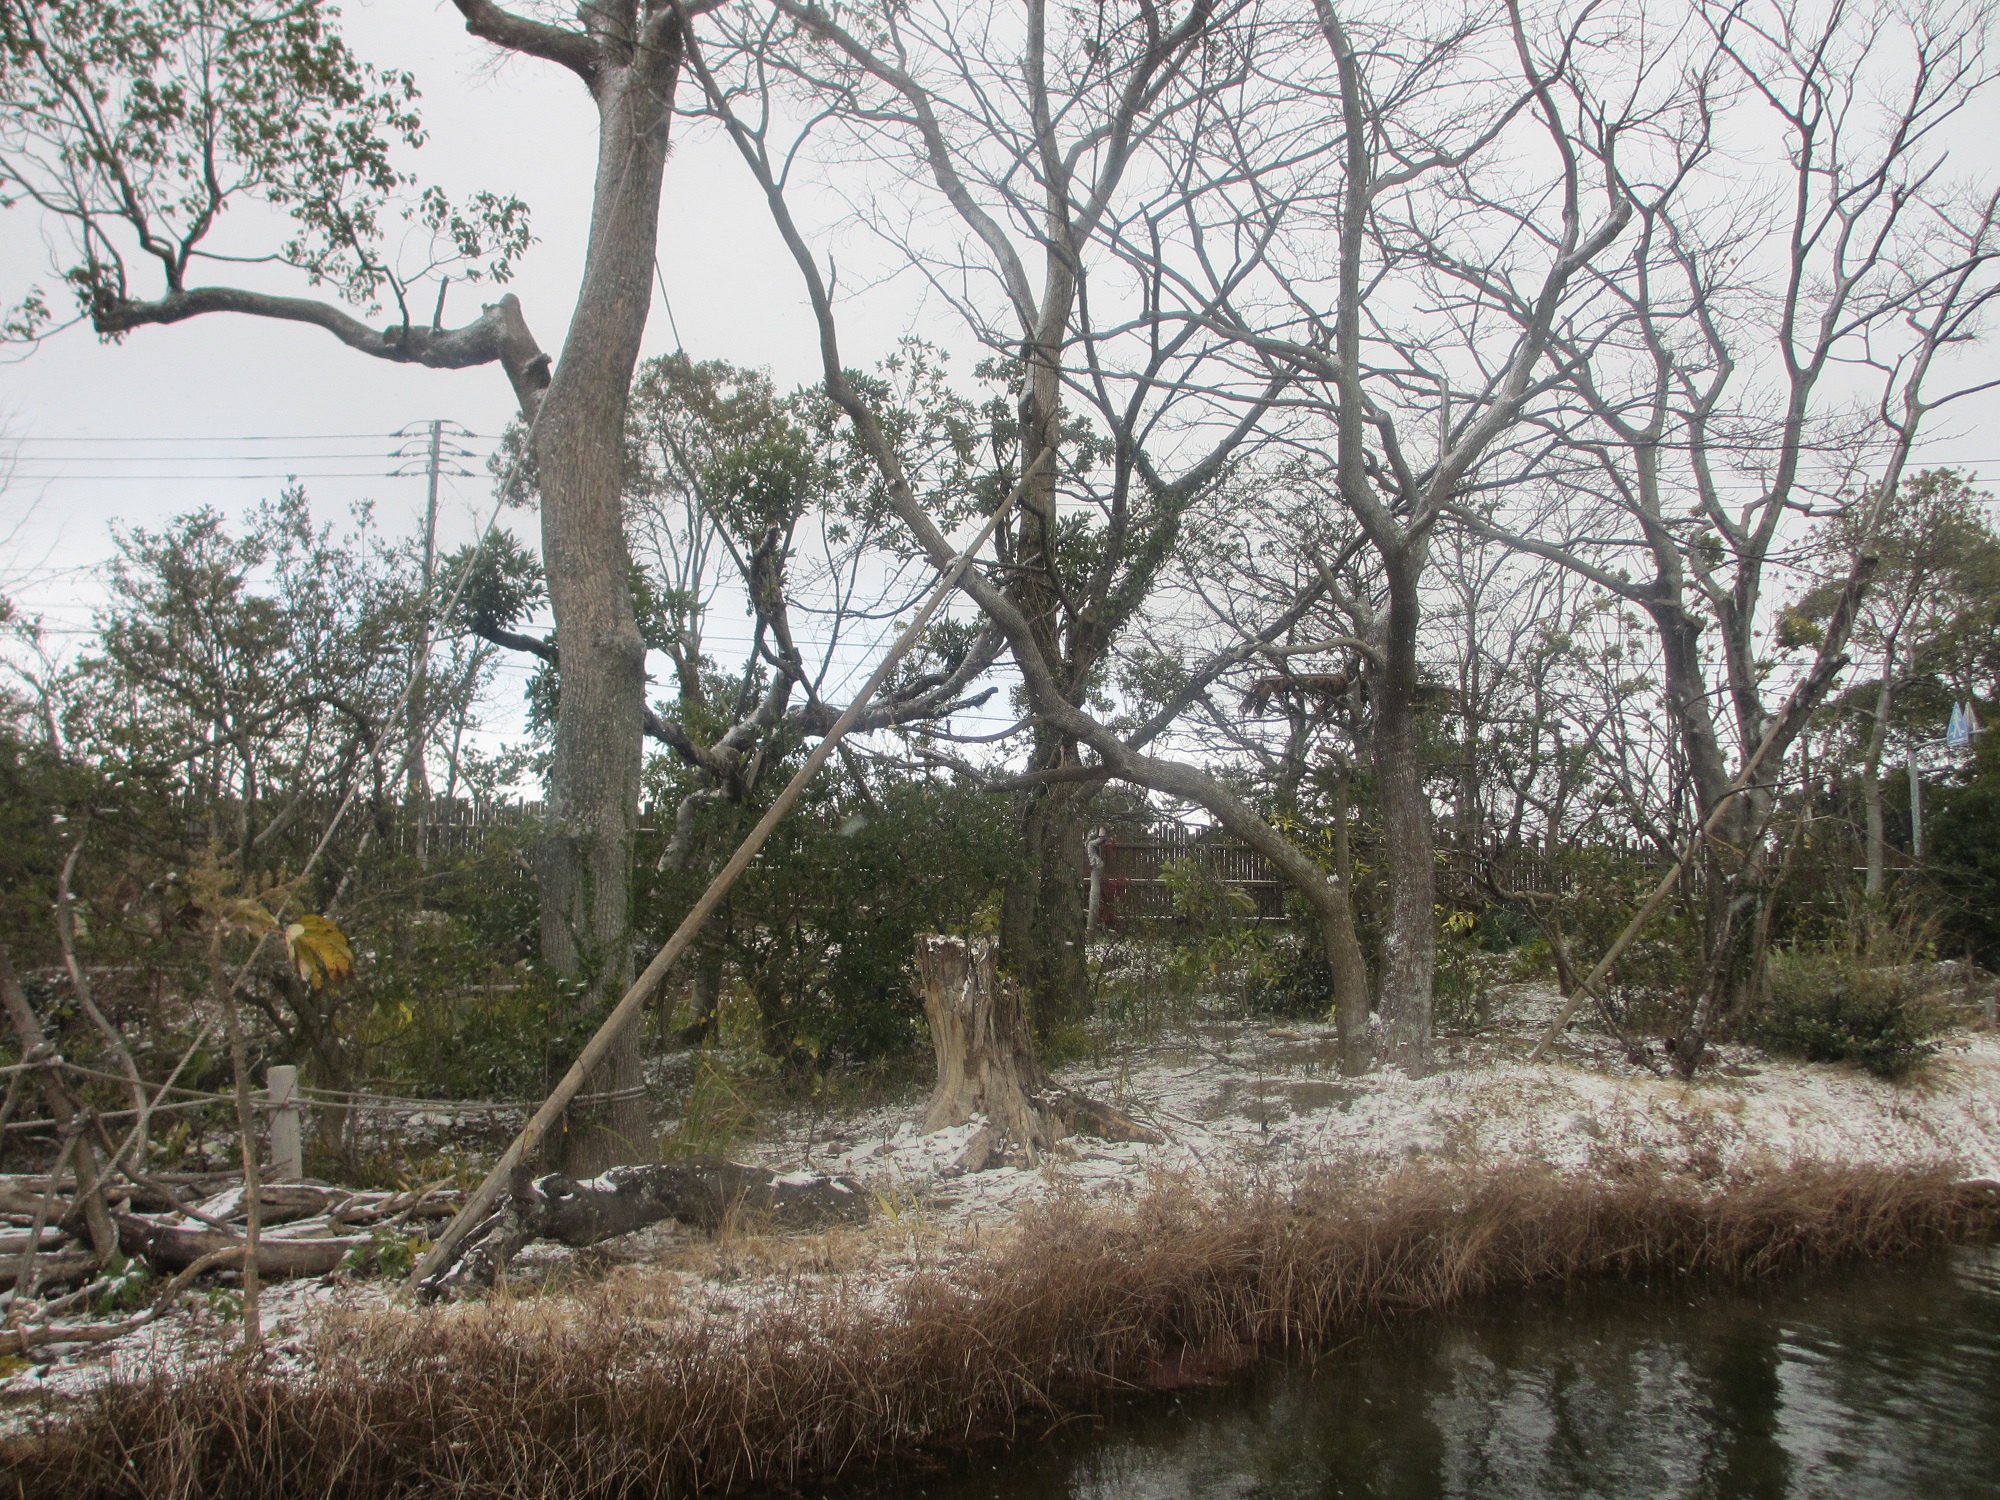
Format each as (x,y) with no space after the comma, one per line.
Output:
(702,1193)
(986,1062)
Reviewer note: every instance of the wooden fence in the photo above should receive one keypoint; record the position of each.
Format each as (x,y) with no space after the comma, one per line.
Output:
(1135,887)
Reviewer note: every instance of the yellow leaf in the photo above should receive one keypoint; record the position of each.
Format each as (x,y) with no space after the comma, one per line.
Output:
(319,951)
(246,915)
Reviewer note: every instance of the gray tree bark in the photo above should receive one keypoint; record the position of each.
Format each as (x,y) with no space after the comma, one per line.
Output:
(585,860)
(628,54)
(1044,908)
(1409,933)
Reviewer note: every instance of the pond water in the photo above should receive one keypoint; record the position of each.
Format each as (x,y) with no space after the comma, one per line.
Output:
(1878,1381)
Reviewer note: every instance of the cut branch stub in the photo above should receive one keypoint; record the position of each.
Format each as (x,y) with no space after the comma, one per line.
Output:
(986,1063)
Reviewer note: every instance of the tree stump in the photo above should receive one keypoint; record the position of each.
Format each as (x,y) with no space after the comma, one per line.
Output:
(986,1063)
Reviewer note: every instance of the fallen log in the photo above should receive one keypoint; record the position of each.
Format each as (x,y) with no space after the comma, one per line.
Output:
(283,1203)
(278,1203)
(175,1247)
(13,1244)
(16,1199)
(703,1194)
(433,1202)
(52,1268)
(21,1340)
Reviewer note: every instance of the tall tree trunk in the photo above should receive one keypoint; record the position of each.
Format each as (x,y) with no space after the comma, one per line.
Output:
(1409,929)
(586,853)
(1043,908)
(1871,772)
(1042,911)
(1728,854)
(1344,958)
(1688,702)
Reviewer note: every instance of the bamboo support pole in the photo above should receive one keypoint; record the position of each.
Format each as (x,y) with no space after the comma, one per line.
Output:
(475,1209)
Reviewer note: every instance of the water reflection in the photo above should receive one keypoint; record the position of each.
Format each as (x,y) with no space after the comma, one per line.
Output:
(1876,1382)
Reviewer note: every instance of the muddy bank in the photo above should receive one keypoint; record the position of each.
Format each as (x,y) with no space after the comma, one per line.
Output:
(628,1388)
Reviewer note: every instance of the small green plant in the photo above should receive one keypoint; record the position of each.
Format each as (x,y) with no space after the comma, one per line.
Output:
(1858,998)
(1215,939)
(127,1285)
(389,1252)
(722,1105)
(1462,994)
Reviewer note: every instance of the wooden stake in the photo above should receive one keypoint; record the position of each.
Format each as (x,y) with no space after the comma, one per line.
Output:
(281,1092)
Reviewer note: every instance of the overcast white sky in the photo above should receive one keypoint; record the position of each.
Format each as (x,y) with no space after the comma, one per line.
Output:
(268,400)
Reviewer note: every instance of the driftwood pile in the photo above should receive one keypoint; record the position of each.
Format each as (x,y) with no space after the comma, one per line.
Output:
(51,1274)
(306,1229)
(61,1235)
(311,1229)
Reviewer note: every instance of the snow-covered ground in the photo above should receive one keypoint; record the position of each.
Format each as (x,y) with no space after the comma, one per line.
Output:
(1231,1101)
(1271,1101)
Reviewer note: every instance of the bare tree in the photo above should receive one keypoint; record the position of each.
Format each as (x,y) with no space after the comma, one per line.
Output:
(1758,350)
(1040,135)
(1037,134)
(1389,321)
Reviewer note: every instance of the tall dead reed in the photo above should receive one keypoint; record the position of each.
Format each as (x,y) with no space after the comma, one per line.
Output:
(584,1397)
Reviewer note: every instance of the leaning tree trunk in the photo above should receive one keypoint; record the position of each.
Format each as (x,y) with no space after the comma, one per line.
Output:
(586,855)
(986,1064)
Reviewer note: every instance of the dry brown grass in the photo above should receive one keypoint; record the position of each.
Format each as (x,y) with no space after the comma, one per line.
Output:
(609,1395)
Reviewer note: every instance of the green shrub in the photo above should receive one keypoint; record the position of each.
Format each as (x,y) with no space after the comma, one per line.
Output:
(1831,1005)
(822,927)
(1462,984)
(1289,982)
(1964,850)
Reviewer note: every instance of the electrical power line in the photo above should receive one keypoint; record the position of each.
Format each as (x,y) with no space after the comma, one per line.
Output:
(159,478)
(201,458)
(293,437)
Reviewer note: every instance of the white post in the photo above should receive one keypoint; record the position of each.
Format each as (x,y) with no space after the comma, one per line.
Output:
(1916,809)
(287,1153)
(1094,848)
